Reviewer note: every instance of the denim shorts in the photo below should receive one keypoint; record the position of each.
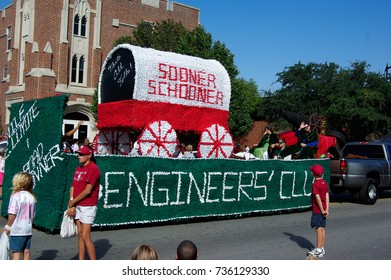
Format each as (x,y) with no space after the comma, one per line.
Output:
(20,243)
(318,221)
(86,214)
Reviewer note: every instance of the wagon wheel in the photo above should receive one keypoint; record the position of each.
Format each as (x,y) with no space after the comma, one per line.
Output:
(158,139)
(112,142)
(216,142)
(318,124)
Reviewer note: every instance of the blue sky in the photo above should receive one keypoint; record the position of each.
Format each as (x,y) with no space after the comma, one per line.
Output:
(268,35)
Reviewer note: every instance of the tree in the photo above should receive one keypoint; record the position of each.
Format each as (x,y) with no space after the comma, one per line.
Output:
(94,105)
(196,42)
(244,99)
(351,97)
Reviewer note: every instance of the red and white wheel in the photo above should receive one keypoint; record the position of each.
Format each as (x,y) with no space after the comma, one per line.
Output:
(216,142)
(158,139)
(111,142)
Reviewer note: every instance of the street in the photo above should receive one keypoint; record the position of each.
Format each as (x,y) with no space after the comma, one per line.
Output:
(354,232)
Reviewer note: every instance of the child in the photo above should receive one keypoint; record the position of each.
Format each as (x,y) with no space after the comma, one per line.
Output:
(144,252)
(21,212)
(320,209)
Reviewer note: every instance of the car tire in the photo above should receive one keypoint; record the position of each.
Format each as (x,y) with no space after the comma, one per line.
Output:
(369,192)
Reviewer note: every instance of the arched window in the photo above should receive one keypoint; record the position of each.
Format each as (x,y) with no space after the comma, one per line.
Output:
(78,69)
(74,69)
(83,26)
(81,69)
(76,23)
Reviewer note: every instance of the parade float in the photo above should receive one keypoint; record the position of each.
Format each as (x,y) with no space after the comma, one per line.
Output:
(161,95)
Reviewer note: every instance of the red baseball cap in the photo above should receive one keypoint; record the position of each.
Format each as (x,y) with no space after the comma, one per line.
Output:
(317,169)
(84,150)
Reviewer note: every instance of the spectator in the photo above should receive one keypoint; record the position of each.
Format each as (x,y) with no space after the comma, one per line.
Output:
(188,152)
(187,250)
(179,150)
(84,200)
(144,252)
(237,149)
(66,148)
(320,210)
(87,142)
(72,131)
(75,146)
(21,213)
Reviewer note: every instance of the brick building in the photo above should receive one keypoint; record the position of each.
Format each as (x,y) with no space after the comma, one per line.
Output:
(58,46)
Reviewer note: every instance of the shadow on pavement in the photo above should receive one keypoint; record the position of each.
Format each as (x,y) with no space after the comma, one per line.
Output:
(102,246)
(301,241)
(48,255)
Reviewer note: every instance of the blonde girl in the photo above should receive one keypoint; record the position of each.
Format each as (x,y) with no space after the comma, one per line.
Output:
(144,252)
(21,213)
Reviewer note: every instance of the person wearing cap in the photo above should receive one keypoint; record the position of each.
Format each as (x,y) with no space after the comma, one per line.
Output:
(84,200)
(307,142)
(320,210)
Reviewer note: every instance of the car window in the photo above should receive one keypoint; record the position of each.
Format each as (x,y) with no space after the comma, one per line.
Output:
(364,151)
(389,150)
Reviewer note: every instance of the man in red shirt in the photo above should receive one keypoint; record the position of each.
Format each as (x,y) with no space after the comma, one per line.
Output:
(84,200)
(320,209)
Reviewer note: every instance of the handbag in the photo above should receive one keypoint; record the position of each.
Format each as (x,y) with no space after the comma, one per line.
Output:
(68,226)
(4,246)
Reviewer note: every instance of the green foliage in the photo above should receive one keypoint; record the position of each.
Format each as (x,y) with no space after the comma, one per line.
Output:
(123,40)
(351,97)
(143,35)
(195,43)
(163,36)
(244,101)
(94,105)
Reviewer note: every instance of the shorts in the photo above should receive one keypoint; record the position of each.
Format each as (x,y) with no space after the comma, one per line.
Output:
(20,243)
(86,214)
(318,221)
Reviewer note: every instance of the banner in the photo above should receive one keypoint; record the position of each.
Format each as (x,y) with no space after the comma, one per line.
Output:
(147,190)
(34,141)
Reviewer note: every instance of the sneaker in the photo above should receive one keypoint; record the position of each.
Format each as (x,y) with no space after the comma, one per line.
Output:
(323,251)
(316,253)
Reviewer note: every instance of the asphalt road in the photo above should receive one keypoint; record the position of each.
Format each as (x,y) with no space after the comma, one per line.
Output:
(354,232)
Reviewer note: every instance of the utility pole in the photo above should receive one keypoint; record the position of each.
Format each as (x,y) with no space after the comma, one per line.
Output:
(386,70)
